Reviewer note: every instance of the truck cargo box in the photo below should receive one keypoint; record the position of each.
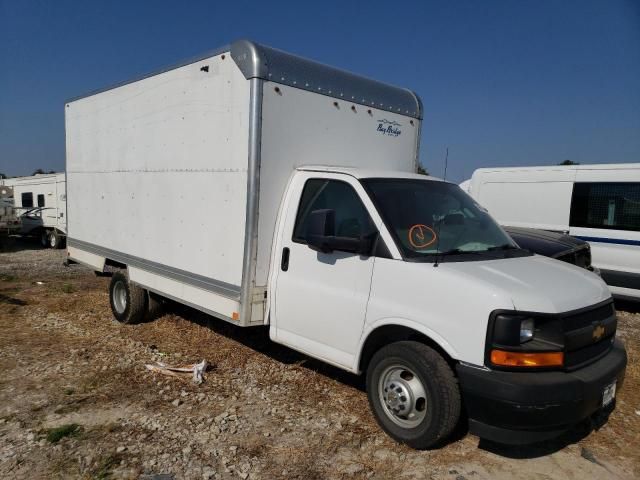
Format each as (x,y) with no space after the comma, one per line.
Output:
(179,175)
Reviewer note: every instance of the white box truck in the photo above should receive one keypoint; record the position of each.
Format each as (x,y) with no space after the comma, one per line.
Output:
(596,203)
(264,188)
(40,203)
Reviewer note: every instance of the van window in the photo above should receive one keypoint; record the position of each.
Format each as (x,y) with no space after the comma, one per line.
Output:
(352,218)
(27,200)
(41,200)
(614,206)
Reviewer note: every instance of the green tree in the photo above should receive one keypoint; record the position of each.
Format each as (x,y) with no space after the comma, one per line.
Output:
(421,170)
(569,162)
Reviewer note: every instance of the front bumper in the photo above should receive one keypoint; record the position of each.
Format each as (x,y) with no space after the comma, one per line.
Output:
(527,407)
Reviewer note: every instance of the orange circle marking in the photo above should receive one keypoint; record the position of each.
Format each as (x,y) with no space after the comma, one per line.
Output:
(417,237)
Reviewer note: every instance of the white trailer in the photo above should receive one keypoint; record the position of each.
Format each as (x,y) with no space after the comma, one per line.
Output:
(41,205)
(264,188)
(596,203)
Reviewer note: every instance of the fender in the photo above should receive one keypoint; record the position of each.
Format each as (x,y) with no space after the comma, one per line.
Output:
(402,322)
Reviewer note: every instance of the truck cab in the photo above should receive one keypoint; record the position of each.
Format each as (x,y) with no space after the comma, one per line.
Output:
(405,277)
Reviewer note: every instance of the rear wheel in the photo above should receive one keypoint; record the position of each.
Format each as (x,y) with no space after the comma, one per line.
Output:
(413,394)
(128,301)
(56,240)
(155,307)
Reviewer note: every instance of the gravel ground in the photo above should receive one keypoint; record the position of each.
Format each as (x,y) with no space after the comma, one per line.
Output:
(77,402)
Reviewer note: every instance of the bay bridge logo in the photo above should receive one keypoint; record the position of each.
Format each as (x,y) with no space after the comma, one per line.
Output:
(385,127)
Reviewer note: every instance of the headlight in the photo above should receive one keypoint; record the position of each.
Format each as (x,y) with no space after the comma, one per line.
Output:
(512,329)
(524,340)
(526,329)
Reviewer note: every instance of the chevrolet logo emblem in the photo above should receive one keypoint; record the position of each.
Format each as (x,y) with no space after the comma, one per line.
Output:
(598,332)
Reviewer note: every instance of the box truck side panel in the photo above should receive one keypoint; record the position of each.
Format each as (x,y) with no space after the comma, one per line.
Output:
(157,171)
(305,128)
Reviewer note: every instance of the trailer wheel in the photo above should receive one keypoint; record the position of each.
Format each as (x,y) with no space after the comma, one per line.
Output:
(413,394)
(128,301)
(56,240)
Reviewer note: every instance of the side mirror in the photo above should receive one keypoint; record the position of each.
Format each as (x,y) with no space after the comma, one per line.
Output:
(321,235)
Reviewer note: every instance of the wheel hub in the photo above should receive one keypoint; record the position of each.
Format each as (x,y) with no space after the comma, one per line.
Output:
(398,396)
(403,396)
(120,297)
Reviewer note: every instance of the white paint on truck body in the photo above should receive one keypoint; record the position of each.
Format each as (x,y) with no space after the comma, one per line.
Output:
(157,169)
(303,128)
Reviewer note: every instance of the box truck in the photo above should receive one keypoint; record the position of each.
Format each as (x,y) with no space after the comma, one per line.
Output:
(267,189)
(40,202)
(599,204)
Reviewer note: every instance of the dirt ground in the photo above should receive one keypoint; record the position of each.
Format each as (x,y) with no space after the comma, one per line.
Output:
(77,402)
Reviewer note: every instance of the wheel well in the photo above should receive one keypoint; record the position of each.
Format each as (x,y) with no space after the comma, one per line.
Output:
(387,334)
(111,267)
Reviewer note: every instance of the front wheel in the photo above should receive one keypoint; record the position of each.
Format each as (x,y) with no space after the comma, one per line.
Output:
(413,393)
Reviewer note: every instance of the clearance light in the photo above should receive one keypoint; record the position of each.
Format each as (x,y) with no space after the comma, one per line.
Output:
(519,359)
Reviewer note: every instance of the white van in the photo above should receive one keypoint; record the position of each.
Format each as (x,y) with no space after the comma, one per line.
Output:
(596,203)
(267,189)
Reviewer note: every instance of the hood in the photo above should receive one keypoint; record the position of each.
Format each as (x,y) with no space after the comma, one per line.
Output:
(549,244)
(536,283)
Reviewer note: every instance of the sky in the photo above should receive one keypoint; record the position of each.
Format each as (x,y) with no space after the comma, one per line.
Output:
(502,82)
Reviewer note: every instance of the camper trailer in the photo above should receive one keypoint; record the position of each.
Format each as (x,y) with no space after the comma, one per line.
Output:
(40,204)
(596,203)
(267,189)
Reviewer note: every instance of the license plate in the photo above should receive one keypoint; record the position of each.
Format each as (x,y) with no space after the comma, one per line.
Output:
(608,394)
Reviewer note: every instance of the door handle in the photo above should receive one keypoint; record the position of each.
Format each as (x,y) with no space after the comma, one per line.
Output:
(284,261)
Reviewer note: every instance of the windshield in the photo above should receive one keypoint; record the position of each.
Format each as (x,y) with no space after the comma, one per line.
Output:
(429,218)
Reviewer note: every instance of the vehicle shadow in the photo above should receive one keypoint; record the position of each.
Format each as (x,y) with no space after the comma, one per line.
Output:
(12,244)
(548,447)
(257,339)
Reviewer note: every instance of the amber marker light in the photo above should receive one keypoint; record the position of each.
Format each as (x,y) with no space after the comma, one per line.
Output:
(520,359)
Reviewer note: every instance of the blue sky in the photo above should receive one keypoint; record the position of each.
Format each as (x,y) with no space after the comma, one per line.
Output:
(502,82)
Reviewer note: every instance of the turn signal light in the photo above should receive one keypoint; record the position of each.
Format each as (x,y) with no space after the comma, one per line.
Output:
(519,359)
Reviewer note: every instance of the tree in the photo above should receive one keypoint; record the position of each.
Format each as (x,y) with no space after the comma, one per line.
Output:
(569,162)
(2,176)
(421,170)
(38,172)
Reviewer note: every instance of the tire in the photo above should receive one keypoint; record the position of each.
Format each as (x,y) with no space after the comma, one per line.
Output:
(128,301)
(155,306)
(44,239)
(56,240)
(411,377)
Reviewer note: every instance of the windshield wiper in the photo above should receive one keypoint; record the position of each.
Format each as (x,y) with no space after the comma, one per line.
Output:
(456,251)
(506,246)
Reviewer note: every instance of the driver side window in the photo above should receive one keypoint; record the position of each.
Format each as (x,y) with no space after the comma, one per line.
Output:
(352,219)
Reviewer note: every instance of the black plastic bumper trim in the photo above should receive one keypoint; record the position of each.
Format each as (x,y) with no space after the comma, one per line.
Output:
(525,407)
